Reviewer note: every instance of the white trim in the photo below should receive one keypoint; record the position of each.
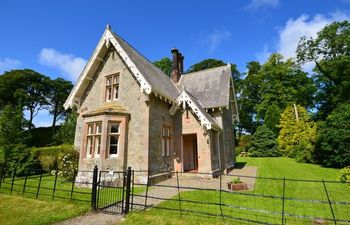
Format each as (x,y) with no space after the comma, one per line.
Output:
(184,98)
(105,41)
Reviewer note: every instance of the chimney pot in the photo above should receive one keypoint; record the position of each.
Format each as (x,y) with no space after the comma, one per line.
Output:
(175,72)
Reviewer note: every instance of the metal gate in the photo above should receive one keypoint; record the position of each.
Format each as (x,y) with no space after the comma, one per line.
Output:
(111,191)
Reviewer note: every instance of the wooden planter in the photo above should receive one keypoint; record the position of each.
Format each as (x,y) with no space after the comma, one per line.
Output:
(237,187)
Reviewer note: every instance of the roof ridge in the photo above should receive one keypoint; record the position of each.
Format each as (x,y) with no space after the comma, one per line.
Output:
(205,70)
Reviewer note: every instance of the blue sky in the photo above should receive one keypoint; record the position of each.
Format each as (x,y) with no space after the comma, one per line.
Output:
(57,37)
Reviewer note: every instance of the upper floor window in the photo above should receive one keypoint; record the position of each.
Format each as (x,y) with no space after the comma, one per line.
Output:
(93,139)
(112,87)
(113,138)
(165,141)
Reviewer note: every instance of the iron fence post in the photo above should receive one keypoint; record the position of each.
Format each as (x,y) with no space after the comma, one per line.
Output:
(283,198)
(127,194)
(94,188)
(73,183)
(25,183)
(147,185)
(132,192)
(12,180)
(38,190)
(329,202)
(54,185)
(1,174)
(220,201)
(178,192)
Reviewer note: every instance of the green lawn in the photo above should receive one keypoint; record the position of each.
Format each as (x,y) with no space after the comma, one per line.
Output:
(255,208)
(15,210)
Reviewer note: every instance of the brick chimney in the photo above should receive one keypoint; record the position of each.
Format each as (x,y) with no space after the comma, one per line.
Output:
(181,63)
(175,71)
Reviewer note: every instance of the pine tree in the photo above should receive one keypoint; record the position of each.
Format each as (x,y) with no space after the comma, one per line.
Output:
(264,143)
(297,135)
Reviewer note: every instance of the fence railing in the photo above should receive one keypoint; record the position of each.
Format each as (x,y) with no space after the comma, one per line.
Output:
(266,200)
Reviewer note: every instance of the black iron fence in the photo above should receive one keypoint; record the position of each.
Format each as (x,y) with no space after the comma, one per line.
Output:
(247,199)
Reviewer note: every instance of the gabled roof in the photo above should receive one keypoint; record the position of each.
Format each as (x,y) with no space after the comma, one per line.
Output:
(211,86)
(150,78)
(204,118)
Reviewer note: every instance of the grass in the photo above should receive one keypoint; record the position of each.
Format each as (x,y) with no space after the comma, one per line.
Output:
(15,210)
(250,207)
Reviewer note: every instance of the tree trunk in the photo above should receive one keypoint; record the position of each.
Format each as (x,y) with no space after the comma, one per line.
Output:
(31,116)
(55,115)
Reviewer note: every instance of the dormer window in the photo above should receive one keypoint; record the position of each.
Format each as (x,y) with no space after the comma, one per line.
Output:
(112,87)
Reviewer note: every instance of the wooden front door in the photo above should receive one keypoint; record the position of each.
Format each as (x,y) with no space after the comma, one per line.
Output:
(190,153)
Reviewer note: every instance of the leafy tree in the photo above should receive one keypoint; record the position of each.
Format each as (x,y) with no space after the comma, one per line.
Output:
(165,64)
(249,98)
(333,140)
(58,93)
(330,52)
(297,135)
(272,118)
(283,83)
(12,139)
(25,88)
(264,144)
(67,130)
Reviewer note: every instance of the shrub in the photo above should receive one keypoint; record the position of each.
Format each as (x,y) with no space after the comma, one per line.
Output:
(48,156)
(264,144)
(333,140)
(68,164)
(297,135)
(20,158)
(344,175)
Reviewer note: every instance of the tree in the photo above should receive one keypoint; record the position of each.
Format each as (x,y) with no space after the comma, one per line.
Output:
(283,83)
(25,88)
(264,144)
(249,98)
(330,52)
(67,130)
(58,93)
(297,136)
(333,140)
(11,126)
(165,64)
(272,118)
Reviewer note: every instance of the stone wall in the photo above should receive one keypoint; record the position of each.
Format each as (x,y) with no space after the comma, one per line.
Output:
(132,100)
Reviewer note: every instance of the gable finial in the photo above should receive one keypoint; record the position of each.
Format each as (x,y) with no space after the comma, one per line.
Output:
(228,64)
(108,27)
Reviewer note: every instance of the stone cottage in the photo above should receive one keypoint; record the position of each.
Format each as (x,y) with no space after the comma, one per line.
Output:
(132,114)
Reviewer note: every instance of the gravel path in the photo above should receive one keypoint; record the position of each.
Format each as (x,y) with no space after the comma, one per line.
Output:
(93,219)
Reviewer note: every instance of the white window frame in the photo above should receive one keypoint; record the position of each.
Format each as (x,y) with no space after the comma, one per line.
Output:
(92,134)
(112,87)
(109,135)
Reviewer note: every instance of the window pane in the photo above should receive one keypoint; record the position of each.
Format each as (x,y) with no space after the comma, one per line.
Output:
(116,91)
(167,132)
(90,129)
(109,81)
(98,128)
(109,93)
(163,131)
(116,79)
(113,140)
(113,150)
(98,145)
(89,146)
(114,128)
(168,147)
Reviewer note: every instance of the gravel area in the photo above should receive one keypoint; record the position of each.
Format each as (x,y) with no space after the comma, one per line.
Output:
(93,219)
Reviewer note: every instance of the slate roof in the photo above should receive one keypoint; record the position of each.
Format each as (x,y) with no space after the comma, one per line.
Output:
(211,87)
(160,82)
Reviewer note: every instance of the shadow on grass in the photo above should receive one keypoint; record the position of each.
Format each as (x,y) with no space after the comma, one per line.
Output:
(240,165)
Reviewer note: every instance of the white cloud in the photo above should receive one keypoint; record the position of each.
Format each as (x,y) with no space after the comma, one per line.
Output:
(69,64)
(290,34)
(257,4)
(263,55)
(215,38)
(9,64)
